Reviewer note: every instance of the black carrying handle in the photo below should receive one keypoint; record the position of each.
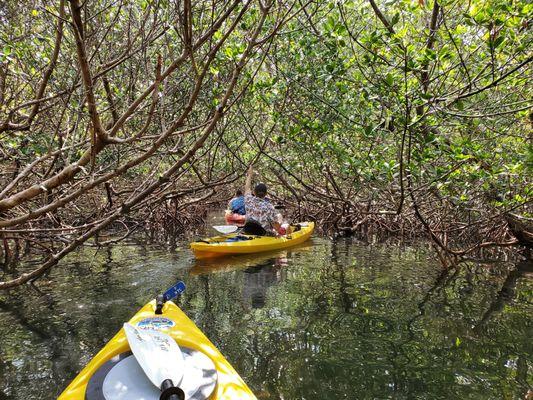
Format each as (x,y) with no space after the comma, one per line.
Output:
(159,303)
(171,392)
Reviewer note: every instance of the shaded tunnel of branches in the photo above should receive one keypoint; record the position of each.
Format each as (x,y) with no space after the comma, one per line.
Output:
(119,117)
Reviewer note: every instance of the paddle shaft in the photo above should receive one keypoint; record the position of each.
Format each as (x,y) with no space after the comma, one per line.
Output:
(168,390)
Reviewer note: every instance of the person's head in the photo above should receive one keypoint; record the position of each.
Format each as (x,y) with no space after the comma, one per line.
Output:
(238,193)
(260,190)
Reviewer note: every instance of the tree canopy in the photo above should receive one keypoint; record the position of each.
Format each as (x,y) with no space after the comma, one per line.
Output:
(394,117)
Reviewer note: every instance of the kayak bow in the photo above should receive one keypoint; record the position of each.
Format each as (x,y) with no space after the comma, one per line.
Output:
(114,363)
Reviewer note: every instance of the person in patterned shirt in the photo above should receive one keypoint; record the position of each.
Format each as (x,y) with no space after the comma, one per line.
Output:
(261,216)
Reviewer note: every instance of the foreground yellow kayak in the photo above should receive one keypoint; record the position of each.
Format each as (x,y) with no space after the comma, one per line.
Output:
(237,243)
(113,373)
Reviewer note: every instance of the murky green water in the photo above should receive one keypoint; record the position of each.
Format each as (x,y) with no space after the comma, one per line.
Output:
(327,320)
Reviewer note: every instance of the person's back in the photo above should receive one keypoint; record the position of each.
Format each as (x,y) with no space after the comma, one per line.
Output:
(261,216)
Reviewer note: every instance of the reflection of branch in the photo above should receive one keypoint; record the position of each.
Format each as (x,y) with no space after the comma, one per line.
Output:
(440,283)
(506,294)
(346,298)
(27,325)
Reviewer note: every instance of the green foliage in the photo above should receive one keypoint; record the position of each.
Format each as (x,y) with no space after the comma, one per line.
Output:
(345,85)
(342,101)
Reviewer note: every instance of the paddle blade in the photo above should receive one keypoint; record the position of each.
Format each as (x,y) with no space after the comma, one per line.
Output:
(157,353)
(225,229)
(174,291)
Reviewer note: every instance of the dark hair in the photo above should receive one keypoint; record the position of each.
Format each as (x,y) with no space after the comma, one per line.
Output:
(260,190)
(238,192)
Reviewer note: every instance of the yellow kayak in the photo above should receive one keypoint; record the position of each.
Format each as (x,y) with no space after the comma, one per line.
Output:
(237,243)
(105,372)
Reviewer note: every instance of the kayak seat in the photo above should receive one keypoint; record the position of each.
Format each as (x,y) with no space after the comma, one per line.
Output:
(253,227)
(122,377)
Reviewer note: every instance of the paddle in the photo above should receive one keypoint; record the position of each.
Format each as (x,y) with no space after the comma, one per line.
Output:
(160,358)
(225,229)
(157,353)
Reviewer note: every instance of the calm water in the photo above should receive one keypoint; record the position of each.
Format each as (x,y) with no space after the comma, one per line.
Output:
(326,320)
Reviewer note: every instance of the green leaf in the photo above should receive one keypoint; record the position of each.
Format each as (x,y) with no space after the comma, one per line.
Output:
(499,40)
(430,54)
(395,19)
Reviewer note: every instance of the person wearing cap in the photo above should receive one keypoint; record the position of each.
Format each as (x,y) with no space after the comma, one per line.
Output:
(261,216)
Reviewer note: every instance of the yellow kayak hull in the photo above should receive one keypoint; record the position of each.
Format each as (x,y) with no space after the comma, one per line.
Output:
(219,246)
(230,385)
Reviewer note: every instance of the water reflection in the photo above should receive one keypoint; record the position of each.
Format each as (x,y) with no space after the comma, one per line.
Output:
(507,292)
(243,261)
(327,320)
(258,279)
